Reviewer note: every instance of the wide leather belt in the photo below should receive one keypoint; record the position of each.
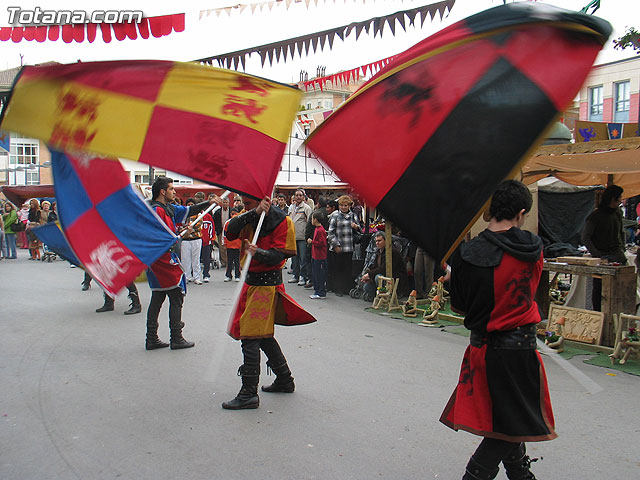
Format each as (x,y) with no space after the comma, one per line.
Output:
(520,338)
(261,279)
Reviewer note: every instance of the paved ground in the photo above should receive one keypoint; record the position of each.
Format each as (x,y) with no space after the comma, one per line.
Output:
(82,399)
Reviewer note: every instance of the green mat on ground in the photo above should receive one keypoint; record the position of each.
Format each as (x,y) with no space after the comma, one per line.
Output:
(602,360)
(416,319)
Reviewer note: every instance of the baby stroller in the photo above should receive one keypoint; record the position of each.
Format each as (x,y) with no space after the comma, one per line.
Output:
(215,255)
(48,255)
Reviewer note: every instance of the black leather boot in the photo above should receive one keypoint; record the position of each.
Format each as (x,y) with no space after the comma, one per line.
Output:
(517,464)
(108,304)
(476,471)
(135,304)
(177,340)
(153,342)
(283,382)
(248,395)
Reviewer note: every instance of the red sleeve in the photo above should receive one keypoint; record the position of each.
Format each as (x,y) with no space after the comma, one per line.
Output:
(165,218)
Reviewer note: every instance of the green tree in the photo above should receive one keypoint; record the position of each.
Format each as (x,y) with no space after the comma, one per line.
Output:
(631,38)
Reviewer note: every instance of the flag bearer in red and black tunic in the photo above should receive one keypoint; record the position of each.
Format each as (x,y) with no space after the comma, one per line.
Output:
(502,392)
(263,301)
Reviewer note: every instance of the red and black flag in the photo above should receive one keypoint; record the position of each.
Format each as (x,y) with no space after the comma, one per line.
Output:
(428,139)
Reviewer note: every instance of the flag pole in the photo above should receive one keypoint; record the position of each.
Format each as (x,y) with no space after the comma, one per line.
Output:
(245,271)
(213,207)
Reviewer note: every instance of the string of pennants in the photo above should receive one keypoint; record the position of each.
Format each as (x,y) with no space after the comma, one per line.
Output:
(159,26)
(348,76)
(260,6)
(301,45)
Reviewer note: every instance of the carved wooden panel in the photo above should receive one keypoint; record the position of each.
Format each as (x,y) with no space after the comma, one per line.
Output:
(579,325)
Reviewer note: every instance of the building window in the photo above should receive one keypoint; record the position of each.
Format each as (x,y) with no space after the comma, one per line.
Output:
(297,169)
(308,105)
(319,103)
(306,130)
(621,95)
(596,103)
(24,157)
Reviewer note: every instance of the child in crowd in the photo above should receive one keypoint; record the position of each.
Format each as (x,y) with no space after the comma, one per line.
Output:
(318,258)
(233,249)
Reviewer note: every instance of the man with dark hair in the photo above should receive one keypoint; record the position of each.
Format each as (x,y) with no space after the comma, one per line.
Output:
(166,277)
(263,301)
(502,392)
(379,267)
(603,235)
(282,202)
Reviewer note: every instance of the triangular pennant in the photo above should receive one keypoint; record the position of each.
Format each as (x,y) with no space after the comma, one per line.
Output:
(288,3)
(322,39)
(400,18)
(359,29)
(270,53)
(271,4)
(307,43)
(242,8)
(236,61)
(412,16)
(340,32)
(228,10)
(330,37)
(263,56)
(376,27)
(243,60)
(392,24)
(314,43)
(307,3)
(299,45)
(278,50)
(253,7)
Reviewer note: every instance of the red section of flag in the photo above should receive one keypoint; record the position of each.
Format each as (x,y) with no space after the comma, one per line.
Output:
(106,32)
(54,32)
(552,73)
(137,78)
(105,257)
(216,151)
(29,33)
(67,33)
(41,34)
(93,172)
(91,32)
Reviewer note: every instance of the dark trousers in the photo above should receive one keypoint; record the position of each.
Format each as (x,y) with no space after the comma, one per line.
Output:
(423,273)
(205,259)
(331,265)
(175,307)
(251,351)
(319,271)
(299,262)
(233,262)
(491,452)
(341,273)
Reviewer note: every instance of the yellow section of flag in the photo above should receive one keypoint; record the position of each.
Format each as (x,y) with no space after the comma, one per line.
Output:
(69,115)
(243,99)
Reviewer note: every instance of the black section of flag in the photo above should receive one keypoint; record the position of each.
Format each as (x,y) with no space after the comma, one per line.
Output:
(457,170)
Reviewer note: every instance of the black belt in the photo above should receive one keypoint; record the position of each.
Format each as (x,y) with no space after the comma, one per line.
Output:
(521,338)
(261,279)
(190,239)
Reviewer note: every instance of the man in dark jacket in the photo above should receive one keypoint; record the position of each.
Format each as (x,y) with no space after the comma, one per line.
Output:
(604,236)
(379,267)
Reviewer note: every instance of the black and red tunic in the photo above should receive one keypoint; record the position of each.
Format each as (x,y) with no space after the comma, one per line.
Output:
(502,391)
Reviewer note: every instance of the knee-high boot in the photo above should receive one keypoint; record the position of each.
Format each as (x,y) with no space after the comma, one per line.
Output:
(153,342)
(517,464)
(108,304)
(248,395)
(135,304)
(175,321)
(283,382)
(476,471)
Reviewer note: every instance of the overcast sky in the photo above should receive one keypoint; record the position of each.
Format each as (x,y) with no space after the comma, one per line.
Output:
(214,34)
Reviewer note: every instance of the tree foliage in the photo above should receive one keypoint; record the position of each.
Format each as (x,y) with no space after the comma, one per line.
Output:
(631,38)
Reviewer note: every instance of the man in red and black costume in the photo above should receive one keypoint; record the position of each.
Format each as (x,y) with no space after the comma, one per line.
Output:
(502,392)
(263,301)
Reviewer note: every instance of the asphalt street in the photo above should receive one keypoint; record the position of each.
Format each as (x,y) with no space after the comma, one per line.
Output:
(82,399)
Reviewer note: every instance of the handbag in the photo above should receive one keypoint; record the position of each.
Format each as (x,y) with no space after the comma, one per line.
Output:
(18,227)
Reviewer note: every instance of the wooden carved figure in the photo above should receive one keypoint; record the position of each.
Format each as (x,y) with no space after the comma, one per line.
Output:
(430,318)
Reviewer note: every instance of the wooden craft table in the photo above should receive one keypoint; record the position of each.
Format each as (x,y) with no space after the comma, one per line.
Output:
(618,291)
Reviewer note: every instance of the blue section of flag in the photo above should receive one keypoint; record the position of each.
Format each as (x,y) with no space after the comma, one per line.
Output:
(5,140)
(51,235)
(68,186)
(615,130)
(135,225)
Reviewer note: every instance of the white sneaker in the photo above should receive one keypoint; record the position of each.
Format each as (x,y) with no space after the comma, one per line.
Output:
(293,280)
(302,282)
(237,279)
(206,279)
(197,281)
(317,297)
(227,279)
